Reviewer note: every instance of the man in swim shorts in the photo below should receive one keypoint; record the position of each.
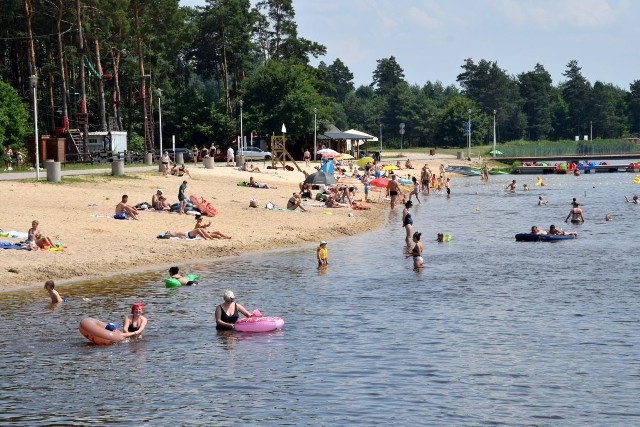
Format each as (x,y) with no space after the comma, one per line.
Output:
(394,191)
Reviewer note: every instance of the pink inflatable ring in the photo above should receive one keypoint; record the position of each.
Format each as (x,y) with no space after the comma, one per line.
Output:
(96,331)
(258,324)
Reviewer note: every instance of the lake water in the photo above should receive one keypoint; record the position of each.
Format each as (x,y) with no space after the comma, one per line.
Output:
(491,332)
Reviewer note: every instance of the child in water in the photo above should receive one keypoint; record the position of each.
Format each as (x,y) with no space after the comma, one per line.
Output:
(55,296)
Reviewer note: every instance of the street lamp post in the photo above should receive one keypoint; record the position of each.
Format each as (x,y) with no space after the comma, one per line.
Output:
(401,135)
(33,81)
(494,133)
(469,137)
(159,93)
(241,132)
(590,130)
(315,135)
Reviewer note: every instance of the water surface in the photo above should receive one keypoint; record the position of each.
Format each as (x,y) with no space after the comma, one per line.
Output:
(491,332)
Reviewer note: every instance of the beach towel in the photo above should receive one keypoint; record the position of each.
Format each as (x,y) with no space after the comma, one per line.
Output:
(11,245)
(13,234)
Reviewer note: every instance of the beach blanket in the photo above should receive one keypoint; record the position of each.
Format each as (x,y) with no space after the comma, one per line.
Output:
(13,234)
(10,245)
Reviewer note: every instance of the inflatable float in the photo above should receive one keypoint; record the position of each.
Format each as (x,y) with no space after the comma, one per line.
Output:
(636,180)
(530,237)
(96,331)
(203,206)
(258,324)
(171,282)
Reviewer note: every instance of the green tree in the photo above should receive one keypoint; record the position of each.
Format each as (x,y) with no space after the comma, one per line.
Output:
(14,117)
(536,91)
(576,93)
(276,32)
(633,107)
(608,119)
(284,93)
(450,123)
(340,78)
(387,75)
(491,88)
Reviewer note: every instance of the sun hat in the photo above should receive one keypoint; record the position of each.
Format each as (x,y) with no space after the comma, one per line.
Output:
(323,242)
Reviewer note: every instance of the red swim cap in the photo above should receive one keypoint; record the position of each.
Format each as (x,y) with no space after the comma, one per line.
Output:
(135,306)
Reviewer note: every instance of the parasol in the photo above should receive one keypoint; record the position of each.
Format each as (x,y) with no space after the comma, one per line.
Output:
(345,157)
(389,167)
(363,161)
(321,177)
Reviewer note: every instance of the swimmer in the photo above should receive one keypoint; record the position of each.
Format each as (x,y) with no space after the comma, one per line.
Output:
(416,252)
(608,217)
(634,200)
(174,273)
(541,201)
(135,323)
(55,296)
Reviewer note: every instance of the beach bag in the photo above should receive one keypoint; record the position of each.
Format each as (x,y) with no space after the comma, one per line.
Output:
(321,197)
(253,203)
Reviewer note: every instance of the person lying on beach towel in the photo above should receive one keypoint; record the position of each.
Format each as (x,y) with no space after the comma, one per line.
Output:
(253,183)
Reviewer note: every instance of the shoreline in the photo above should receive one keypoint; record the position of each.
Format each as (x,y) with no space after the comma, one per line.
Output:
(78,212)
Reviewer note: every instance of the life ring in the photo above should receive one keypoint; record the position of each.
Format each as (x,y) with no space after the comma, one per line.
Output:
(96,331)
(259,324)
(172,282)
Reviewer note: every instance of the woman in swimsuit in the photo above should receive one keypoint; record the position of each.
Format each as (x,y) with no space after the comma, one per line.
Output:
(416,252)
(35,237)
(165,163)
(416,189)
(228,313)
(407,221)
(575,214)
(134,323)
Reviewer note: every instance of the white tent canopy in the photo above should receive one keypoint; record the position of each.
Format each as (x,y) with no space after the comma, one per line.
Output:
(358,142)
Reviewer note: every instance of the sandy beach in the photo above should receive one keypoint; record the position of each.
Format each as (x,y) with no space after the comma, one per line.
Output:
(78,212)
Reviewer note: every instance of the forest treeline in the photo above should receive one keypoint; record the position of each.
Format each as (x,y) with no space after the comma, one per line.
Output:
(206,60)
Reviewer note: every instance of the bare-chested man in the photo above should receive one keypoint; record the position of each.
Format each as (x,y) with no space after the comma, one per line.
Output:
(394,191)
(123,207)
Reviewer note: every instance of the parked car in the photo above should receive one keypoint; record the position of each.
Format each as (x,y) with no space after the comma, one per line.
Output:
(187,155)
(254,153)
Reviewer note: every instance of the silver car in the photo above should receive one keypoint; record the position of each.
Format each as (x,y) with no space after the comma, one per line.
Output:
(254,153)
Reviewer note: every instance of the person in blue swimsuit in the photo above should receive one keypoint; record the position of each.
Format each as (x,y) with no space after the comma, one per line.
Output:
(228,313)
(134,323)
(407,222)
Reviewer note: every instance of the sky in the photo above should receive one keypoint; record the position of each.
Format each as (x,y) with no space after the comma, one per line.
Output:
(431,39)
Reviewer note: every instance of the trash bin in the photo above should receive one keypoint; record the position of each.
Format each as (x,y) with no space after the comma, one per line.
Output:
(208,162)
(53,170)
(459,155)
(179,158)
(432,152)
(239,161)
(117,166)
(148,159)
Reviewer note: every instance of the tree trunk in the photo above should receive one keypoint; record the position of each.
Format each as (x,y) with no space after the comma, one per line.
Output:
(117,95)
(101,105)
(63,70)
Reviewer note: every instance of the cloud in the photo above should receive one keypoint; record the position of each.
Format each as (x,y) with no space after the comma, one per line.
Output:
(424,19)
(558,14)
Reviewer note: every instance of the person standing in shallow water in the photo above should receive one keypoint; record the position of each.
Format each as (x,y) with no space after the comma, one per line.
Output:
(416,252)
(322,254)
(575,214)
